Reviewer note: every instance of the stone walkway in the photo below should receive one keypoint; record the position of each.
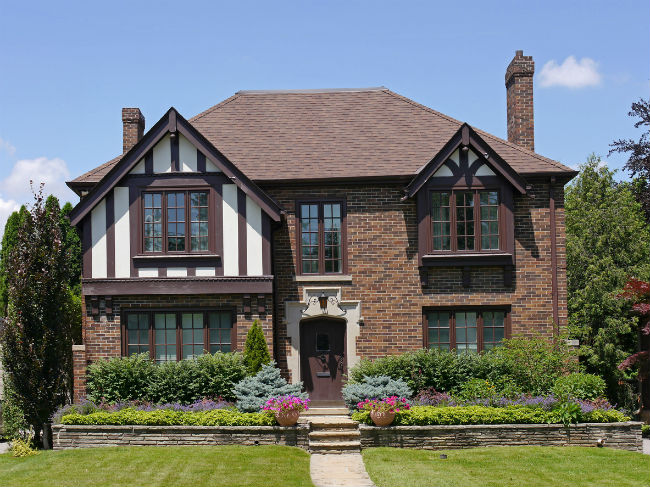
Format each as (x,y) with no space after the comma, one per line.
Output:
(339,470)
(646,446)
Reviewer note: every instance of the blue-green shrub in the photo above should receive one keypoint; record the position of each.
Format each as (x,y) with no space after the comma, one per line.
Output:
(374,387)
(579,386)
(253,392)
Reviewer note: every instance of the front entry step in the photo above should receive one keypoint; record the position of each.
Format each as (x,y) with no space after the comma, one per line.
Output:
(333,433)
(326,411)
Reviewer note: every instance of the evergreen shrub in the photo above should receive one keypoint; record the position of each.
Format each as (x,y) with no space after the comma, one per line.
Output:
(253,392)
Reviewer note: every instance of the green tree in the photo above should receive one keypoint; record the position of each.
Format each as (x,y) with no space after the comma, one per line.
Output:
(607,241)
(37,336)
(256,352)
(8,242)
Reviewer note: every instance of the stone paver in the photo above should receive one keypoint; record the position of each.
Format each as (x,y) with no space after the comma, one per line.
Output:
(342,470)
(646,446)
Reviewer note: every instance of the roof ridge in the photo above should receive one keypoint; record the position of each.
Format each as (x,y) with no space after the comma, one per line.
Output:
(214,107)
(307,91)
(483,133)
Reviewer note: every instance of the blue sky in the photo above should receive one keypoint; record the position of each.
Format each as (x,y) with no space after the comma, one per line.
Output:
(68,68)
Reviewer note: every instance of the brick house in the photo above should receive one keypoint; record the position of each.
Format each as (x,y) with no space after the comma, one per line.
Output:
(351,223)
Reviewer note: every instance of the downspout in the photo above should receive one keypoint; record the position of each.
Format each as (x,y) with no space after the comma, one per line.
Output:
(554,289)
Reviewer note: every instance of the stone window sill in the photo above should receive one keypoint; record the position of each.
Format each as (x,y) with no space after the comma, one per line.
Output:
(324,278)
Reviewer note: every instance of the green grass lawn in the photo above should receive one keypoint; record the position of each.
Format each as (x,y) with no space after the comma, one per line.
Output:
(183,466)
(508,466)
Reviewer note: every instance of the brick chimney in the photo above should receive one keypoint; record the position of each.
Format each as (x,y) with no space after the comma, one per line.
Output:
(132,127)
(519,88)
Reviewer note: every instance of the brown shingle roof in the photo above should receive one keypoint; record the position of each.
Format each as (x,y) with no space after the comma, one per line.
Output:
(309,134)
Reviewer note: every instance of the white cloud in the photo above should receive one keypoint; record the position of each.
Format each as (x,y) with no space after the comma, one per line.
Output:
(51,172)
(571,73)
(7,147)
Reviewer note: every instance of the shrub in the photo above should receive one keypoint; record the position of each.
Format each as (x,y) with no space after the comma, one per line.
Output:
(521,365)
(477,389)
(431,397)
(13,420)
(23,447)
(579,386)
(253,392)
(645,430)
(256,351)
(428,415)
(138,378)
(374,387)
(218,417)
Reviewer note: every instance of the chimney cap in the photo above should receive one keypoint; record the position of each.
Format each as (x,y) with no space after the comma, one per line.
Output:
(520,66)
(132,114)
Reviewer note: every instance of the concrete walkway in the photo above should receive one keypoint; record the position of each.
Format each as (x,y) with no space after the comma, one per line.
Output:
(646,446)
(339,470)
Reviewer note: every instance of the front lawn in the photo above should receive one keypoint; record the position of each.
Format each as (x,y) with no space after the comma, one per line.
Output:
(172,466)
(508,466)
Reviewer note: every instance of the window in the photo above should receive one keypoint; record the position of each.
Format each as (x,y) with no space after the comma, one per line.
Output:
(174,335)
(176,209)
(465,221)
(320,226)
(467,330)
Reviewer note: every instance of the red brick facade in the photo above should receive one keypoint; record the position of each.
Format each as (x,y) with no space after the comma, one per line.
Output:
(519,87)
(382,252)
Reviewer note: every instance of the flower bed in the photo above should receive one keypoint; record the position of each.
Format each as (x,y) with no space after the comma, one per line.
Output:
(517,414)
(170,417)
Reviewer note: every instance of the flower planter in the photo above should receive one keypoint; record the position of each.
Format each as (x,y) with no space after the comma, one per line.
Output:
(382,418)
(288,418)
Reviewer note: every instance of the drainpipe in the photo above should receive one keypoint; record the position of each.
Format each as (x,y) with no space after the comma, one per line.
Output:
(554,289)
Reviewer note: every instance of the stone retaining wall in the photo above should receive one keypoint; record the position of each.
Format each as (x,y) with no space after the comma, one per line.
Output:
(87,436)
(622,436)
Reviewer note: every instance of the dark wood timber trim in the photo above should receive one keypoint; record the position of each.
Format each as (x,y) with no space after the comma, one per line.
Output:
(176,260)
(266,244)
(110,234)
(87,247)
(507,324)
(148,163)
(178,285)
(454,260)
(241,226)
(218,236)
(200,161)
(554,285)
(175,152)
(135,226)
(172,122)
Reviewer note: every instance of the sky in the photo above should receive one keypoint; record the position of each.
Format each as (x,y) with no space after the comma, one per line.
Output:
(67,69)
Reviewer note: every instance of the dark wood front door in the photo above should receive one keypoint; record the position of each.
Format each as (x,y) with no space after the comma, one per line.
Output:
(322,358)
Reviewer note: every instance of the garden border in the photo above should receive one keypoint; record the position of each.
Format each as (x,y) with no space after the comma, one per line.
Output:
(67,436)
(621,436)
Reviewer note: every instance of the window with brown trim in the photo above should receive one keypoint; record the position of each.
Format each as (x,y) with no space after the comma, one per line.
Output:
(168,335)
(465,220)
(166,218)
(321,237)
(465,330)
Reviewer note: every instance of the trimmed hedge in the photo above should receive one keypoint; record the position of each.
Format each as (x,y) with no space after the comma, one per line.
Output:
(521,365)
(138,378)
(168,417)
(579,386)
(430,415)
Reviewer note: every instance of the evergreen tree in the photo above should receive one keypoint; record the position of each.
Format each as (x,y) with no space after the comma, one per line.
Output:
(607,241)
(36,339)
(8,242)
(256,352)
(253,392)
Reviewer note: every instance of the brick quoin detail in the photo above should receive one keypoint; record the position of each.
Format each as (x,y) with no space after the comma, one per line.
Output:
(519,88)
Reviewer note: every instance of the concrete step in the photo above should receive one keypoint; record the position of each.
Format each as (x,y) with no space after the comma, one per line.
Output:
(335,435)
(330,422)
(334,446)
(326,411)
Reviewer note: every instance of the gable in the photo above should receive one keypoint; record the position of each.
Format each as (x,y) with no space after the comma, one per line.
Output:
(481,161)
(173,145)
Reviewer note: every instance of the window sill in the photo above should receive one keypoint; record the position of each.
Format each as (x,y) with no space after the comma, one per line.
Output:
(473,259)
(324,278)
(176,259)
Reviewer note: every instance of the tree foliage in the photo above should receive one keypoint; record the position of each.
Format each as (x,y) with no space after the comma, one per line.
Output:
(256,352)
(607,241)
(8,242)
(639,160)
(37,336)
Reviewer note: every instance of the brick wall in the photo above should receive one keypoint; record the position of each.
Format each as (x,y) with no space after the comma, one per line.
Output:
(519,91)
(382,253)
(102,332)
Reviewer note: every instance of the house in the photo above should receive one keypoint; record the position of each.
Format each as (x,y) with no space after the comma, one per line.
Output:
(351,223)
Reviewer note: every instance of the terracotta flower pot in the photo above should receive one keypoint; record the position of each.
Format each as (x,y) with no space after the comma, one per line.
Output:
(382,418)
(287,418)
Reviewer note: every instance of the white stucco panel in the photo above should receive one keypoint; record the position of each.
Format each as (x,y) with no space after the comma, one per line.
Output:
(205,271)
(230,233)
(148,272)
(98,240)
(187,155)
(455,157)
(162,156)
(253,238)
(139,168)
(443,171)
(484,170)
(211,166)
(122,232)
(177,272)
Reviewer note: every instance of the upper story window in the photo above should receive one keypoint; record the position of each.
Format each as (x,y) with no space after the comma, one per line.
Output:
(320,237)
(176,221)
(465,220)
(468,330)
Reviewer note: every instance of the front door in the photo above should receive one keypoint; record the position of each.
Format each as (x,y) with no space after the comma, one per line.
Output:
(322,358)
